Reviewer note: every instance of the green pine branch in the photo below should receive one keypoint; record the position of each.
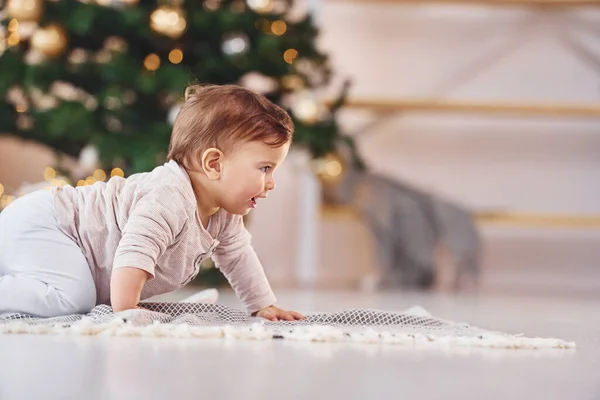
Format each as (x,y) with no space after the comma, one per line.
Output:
(127,114)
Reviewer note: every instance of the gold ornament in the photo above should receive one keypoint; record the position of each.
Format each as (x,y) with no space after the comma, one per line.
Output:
(24,10)
(169,21)
(50,40)
(176,56)
(290,55)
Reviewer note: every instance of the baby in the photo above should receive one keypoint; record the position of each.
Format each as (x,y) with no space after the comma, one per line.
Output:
(118,242)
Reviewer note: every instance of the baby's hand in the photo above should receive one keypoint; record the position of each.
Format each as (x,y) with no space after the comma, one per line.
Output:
(273,313)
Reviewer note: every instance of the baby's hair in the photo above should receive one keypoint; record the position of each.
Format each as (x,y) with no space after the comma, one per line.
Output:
(224,115)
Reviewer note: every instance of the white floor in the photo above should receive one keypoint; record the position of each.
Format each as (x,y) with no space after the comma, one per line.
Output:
(43,367)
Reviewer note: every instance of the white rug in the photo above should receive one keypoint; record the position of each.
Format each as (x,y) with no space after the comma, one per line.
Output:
(189,319)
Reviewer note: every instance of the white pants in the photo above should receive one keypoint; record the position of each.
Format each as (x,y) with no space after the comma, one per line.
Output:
(42,271)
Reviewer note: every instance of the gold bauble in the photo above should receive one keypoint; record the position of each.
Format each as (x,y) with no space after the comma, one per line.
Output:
(49,40)
(169,21)
(24,10)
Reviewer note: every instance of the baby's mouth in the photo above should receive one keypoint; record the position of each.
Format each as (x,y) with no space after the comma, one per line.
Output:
(253,202)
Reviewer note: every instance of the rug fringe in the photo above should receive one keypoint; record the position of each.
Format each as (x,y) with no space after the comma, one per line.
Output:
(259,331)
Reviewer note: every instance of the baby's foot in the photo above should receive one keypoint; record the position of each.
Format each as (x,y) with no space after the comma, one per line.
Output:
(208,296)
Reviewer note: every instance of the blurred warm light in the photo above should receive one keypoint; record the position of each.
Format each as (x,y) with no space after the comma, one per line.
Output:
(99,175)
(333,168)
(290,55)
(90,180)
(1,189)
(13,25)
(278,27)
(57,182)
(117,172)
(176,56)
(80,182)
(212,5)
(116,44)
(169,21)
(21,107)
(13,39)
(305,107)
(50,40)
(5,200)
(238,6)
(49,173)
(25,10)
(112,103)
(329,168)
(261,5)
(292,82)
(152,62)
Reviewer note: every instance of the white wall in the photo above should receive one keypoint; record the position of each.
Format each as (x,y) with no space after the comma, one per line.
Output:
(527,164)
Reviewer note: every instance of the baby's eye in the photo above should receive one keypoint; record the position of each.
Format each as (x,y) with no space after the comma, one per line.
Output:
(265,169)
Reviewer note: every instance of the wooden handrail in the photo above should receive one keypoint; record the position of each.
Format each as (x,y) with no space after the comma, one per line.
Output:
(538,220)
(591,110)
(503,3)
(495,218)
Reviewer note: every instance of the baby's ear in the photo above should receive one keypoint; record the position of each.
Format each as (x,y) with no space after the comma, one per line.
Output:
(211,163)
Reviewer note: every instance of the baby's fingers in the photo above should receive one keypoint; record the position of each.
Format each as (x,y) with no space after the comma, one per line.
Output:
(297,315)
(286,315)
(270,316)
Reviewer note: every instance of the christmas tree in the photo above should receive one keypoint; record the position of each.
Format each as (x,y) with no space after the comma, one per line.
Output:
(102,80)
(106,77)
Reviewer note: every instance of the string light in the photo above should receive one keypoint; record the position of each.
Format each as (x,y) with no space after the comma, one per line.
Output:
(261,6)
(5,200)
(212,5)
(290,55)
(99,175)
(333,168)
(90,180)
(176,56)
(169,21)
(49,173)
(117,172)
(21,107)
(13,25)
(57,182)
(329,168)
(13,39)
(278,27)
(152,62)
(80,182)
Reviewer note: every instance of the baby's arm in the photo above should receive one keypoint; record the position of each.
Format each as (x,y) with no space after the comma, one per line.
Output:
(238,261)
(126,286)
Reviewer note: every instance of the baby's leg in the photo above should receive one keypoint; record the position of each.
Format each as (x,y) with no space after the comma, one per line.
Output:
(42,271)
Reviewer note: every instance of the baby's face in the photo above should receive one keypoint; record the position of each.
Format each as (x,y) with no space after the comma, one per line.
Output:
(247,175)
